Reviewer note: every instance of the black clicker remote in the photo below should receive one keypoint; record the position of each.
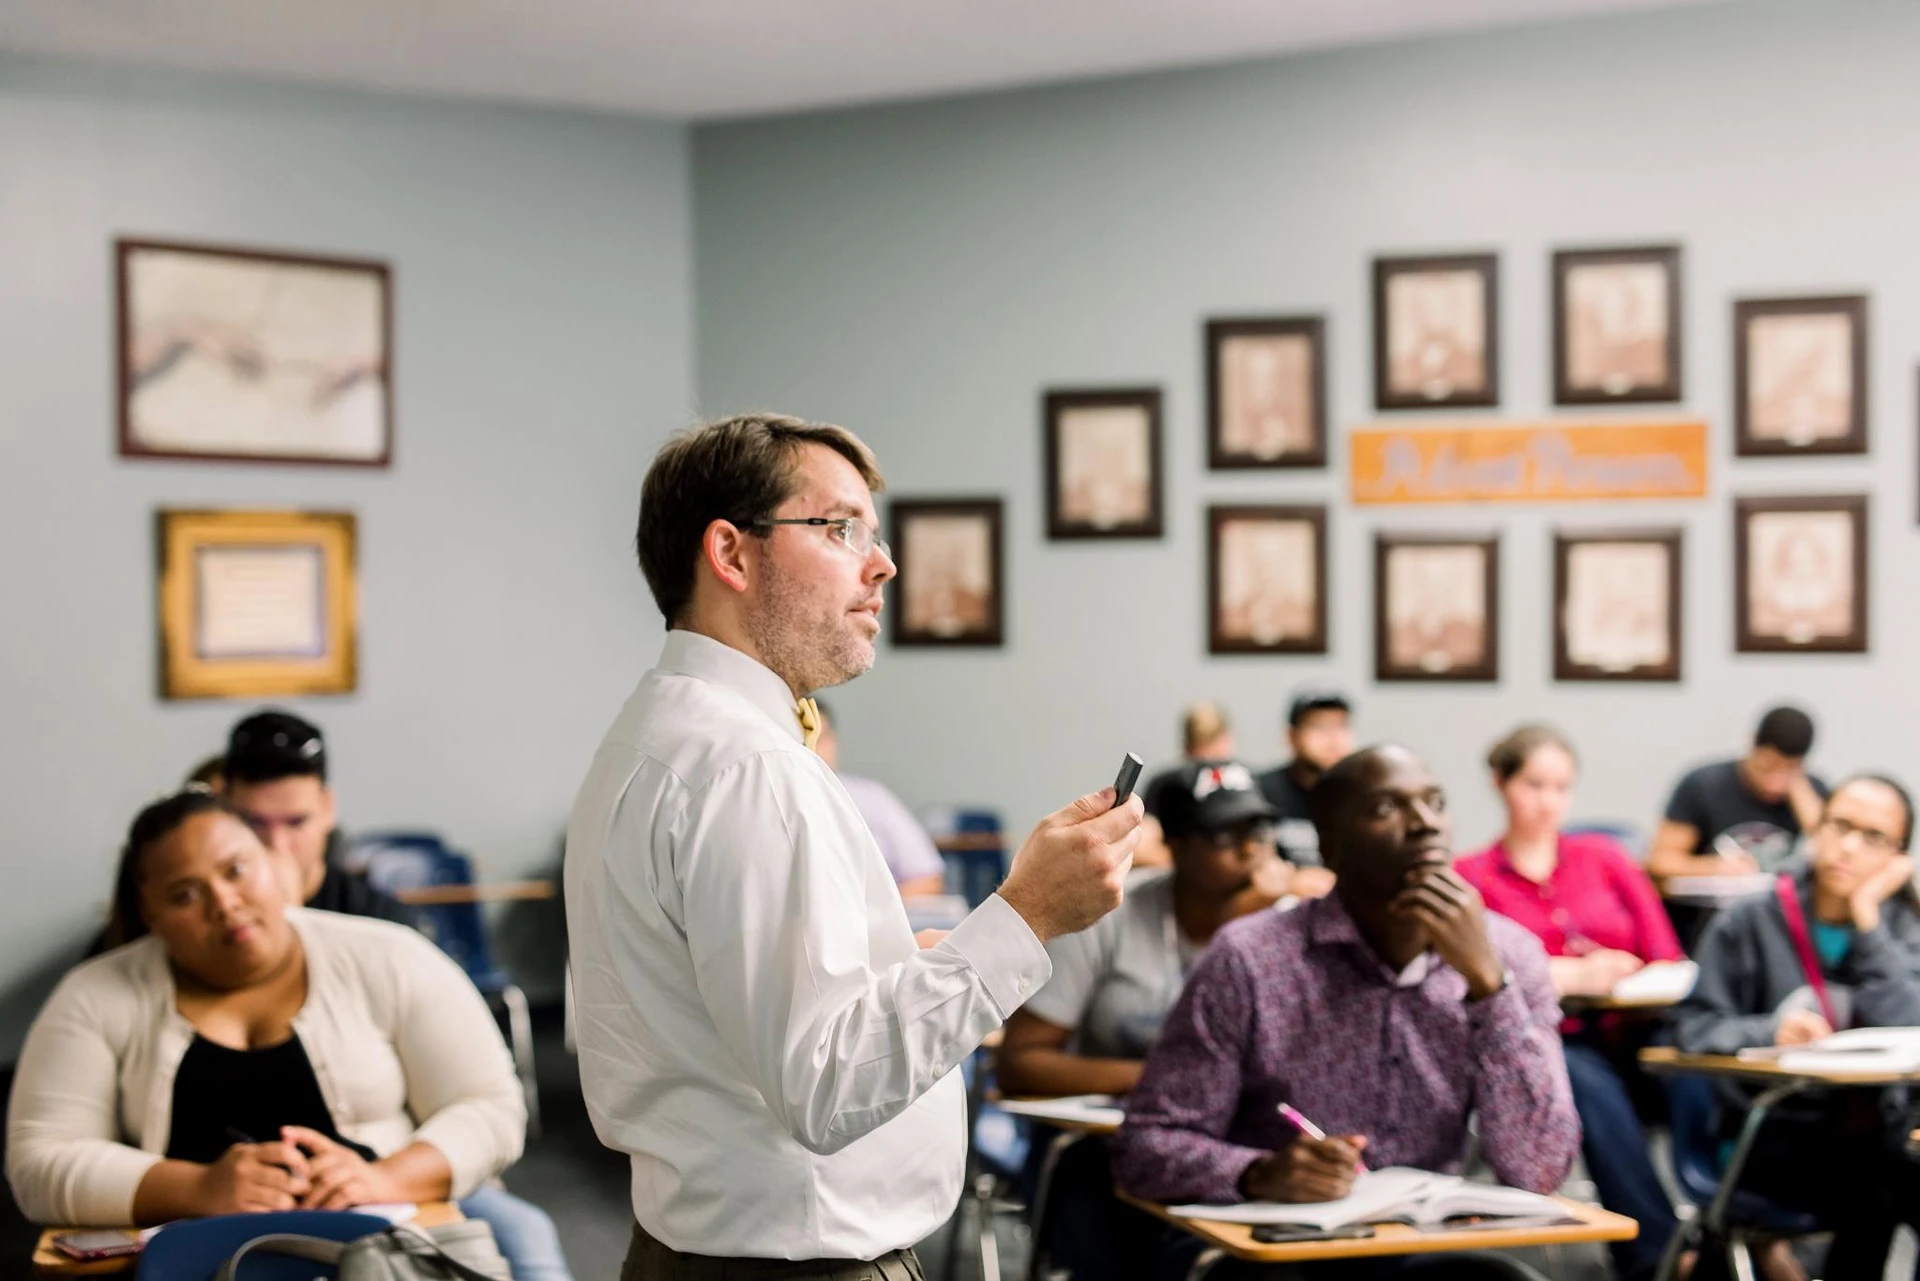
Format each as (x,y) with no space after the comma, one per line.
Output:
(1128,776)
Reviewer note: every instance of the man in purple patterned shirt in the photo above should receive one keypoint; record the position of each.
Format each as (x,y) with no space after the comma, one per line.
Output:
(1386,1013)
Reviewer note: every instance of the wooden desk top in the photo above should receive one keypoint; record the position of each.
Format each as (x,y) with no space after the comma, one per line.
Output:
(960,842)
(1074,1124)
(497,892)
(1616,1004)
(1595,1224)
(48,1261)
(1666,1059)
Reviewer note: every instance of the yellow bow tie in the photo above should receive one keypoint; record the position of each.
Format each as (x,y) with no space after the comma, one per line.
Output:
(809,715)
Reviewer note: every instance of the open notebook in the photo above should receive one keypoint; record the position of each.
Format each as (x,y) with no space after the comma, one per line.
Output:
(1861,1049)
(1393,1195)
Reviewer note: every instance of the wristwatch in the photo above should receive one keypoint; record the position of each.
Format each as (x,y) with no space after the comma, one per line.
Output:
(1506,979)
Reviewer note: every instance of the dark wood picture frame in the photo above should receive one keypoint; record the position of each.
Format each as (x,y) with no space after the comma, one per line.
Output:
(1565,263)
(1057,404)
(129,443)
(1748,310)
(1487,669)
(1218,517)
(1487,266)
(1672,541)
(1856,508)
(1218,333)
(991,635)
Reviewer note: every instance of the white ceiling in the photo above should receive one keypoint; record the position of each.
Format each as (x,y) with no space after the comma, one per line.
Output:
(713,58)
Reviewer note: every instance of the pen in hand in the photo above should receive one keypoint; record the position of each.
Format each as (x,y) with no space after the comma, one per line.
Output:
(1297,1119)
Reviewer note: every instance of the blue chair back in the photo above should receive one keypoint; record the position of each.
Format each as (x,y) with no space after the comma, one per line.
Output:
(194,1249)
(397,861)
(976,873)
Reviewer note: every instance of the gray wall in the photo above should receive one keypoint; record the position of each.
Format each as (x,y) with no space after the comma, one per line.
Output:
(542,279)
(921,272)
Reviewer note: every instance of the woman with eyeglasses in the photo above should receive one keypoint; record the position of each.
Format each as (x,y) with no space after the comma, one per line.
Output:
(1835,945)
(243,1055)
(1088,1030)
(1599,917)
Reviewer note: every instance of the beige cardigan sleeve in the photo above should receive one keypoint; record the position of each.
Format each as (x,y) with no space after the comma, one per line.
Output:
(461,1085)
(64,1156)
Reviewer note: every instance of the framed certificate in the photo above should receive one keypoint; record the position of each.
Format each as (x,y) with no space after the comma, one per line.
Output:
(257,604)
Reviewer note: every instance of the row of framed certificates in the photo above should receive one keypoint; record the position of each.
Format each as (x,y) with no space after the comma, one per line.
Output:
(1799,576)
(1800,375)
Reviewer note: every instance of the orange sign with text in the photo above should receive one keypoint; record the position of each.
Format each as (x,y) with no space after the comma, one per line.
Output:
(1529,462)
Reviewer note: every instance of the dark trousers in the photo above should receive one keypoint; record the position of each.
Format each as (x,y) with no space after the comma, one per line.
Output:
(1856,1179)
(1614,1145)
(648,1260)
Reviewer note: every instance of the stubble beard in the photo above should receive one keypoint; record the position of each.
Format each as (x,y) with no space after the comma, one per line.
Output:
(808,644)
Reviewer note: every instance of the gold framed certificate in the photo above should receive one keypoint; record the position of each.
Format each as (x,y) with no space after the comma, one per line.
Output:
(257,604)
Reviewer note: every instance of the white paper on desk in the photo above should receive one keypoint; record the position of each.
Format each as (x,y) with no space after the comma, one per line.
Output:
(1861,1049)
(391,1211)
(1395,1194)
(1659,981)
(1098,1110)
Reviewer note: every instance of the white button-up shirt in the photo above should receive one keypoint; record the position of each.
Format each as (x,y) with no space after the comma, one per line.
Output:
(757,1028)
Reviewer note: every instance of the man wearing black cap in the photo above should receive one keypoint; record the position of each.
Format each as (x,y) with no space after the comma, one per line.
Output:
(276,777)
(1320,732)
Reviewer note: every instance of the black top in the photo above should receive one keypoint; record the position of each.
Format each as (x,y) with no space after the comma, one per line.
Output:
(351,894)
(222,1094)
(1714,801)
(1299,843)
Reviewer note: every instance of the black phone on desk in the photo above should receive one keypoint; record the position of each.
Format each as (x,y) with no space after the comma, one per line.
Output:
(97,1243)
(1287,1233)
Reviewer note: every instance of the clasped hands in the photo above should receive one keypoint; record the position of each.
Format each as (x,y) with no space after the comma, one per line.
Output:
(304,1170)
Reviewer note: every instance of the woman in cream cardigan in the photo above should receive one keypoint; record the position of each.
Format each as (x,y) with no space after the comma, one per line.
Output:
(243,1055)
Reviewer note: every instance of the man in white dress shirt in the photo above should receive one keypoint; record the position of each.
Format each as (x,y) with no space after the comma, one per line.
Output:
(757,1028)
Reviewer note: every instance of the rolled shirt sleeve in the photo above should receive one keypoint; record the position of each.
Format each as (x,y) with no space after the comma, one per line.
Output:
(775,913)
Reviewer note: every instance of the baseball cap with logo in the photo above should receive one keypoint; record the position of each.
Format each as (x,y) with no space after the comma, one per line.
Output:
(272,745)
(1210,796)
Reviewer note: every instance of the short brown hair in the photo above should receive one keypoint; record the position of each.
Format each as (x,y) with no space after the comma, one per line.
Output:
(1205,722)
(1510,755)
(739,469)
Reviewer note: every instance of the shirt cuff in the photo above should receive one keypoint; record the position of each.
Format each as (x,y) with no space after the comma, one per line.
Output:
(1003,950)
(1501,1022)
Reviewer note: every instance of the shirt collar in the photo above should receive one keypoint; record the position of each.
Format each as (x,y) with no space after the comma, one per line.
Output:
(704,658)
(1329,924)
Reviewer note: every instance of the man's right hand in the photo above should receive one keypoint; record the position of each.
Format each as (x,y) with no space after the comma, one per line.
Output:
(1306,1170)
(1073,869)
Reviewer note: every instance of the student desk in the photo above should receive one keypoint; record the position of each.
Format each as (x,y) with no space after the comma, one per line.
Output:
(1575,1005)
(1235,1240)
(48,1261)
(498,892)
(1776,1084)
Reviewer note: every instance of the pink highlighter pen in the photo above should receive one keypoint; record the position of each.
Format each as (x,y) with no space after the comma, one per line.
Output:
(1292,1116)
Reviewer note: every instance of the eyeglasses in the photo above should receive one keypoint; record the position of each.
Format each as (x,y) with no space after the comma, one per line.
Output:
(1879,842)
(858,536)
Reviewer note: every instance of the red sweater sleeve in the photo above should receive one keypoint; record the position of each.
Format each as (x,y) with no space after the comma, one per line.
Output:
(1652,928)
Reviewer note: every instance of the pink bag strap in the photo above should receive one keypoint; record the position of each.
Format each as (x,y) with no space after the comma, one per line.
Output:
(1789,897)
